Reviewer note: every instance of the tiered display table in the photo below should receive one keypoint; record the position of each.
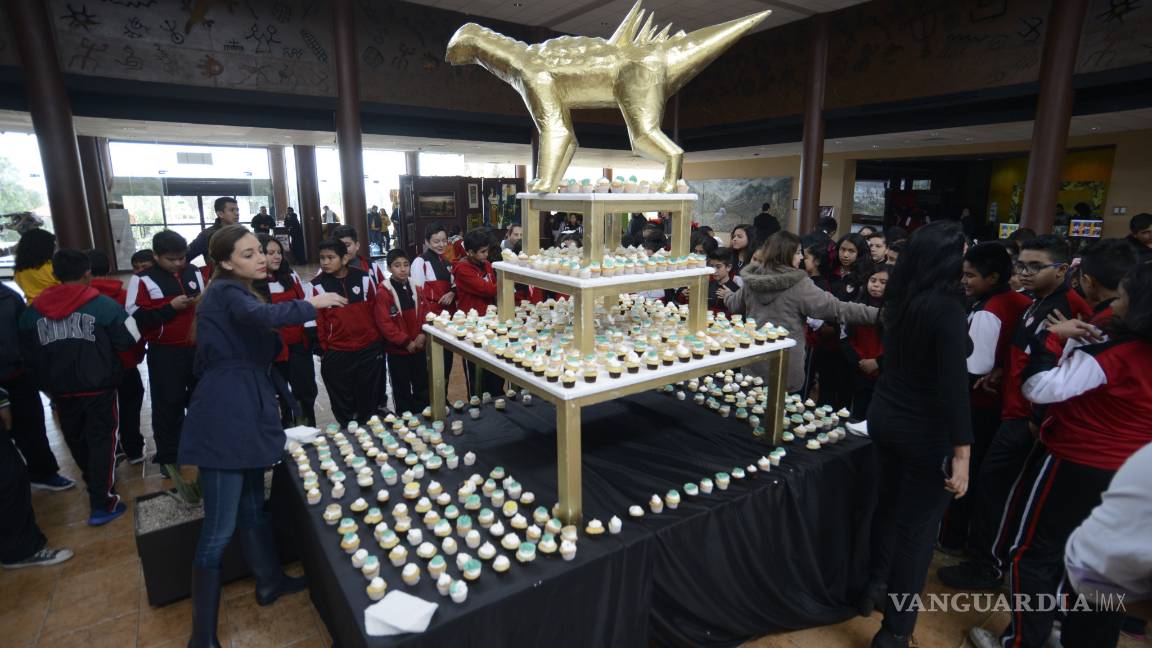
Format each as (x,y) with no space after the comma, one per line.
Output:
(600,228)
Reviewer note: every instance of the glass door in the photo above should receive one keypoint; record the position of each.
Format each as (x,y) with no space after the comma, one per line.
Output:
(185,215)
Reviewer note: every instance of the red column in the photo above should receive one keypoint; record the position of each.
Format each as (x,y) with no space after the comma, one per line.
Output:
(52,120)
(812,158)
(93,155)
(348,118)
(279,174)
(309,193)
(1053,113)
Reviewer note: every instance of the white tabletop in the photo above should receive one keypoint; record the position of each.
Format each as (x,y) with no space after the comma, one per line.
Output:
(624,281)
(604,383)
(610,197)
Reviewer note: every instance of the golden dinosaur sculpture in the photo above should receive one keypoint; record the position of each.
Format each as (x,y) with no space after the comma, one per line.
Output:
(637,69)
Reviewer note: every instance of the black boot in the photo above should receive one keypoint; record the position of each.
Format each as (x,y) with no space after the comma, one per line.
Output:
(874,597)
(205,607)
(264,561)
(885,639)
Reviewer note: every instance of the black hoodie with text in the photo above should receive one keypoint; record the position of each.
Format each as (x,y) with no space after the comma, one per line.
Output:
(71,336)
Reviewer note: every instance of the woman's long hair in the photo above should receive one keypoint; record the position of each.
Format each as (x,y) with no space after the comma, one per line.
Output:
(35,248)
(858,273)
(220,248)
(283,275)
(778,251)
(1136,323)
(931,263)
(744,256)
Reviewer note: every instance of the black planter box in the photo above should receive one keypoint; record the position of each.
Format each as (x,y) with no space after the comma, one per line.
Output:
(166,556)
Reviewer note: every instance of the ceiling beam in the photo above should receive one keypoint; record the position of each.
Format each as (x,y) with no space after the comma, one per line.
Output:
(576,12)
(788,6)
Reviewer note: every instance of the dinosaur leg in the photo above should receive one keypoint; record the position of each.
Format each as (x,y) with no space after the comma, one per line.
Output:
(557,138)
(643,107)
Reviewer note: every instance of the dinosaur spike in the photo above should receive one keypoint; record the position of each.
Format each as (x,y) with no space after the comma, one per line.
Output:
(663,35)
(627,27)
(689,55)
(642,36)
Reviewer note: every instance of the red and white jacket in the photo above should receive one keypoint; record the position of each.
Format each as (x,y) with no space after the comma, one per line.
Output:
(150,294)
(992,322)
(1031,335)
(432,275)
(351,327)
(1099,401)
(278,293)
(398,325)
(475,286)
(114,289)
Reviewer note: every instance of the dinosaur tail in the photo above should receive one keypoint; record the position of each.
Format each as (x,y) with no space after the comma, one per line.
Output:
(688,54)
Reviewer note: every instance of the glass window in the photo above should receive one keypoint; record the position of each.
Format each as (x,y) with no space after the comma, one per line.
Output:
(21,184)
(921,185)
(442,164)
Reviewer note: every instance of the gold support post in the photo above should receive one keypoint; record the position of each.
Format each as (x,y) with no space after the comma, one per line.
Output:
(505,298)
(438,379)
(698,304)
(583,326)
(778,365)
(681,230)
(531,223)
(594,233)
(568,458)
(614,230)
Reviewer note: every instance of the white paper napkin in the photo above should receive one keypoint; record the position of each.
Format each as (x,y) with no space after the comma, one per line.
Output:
(300,434)
(398,613)
(859,429)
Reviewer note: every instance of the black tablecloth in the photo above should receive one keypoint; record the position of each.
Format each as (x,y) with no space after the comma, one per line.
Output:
(778,551)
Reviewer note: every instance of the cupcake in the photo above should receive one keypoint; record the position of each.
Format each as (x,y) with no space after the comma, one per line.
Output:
(656,504)
(501,564)
(410,574)
(350,542)
(568,550)
(398,556)
(510,541)
(347,525)
(359,557)
(388,539)
(332,514)
(636,511)
(472,539)
(672,499)
(595,527)
(415,537)
(486,551)
(553,526)
(615,525)
(371,567)
(526,553)
(437,566)
(691,489)
(722,480)
(472,569)
(443,584)
(547,544)
(376,588)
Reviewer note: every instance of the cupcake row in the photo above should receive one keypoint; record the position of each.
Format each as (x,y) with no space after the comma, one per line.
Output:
(569,262)
(620,185)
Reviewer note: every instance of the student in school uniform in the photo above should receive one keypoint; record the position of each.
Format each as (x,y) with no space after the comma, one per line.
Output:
(432,274)
(351,360)
(1042,265)
(227,213)
(72,336)
(346,234)
(862,345)
(1097,407)
(233,432)
(993,314)
(476,286)
(130,394)
(720,283)
(400,312)
(162,300)
(294,362)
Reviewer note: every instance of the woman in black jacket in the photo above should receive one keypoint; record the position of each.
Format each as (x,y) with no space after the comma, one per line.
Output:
(919,421)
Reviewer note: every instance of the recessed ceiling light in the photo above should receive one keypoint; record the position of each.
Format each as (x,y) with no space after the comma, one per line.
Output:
(837,142)
(934,134)
(875,146)
(517,4)
(1094,129)
(967,139)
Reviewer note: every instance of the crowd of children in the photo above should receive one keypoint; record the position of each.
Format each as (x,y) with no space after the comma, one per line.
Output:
(1057,341)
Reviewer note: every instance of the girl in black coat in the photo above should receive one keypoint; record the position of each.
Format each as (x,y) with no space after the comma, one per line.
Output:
(233,431)
(919,420)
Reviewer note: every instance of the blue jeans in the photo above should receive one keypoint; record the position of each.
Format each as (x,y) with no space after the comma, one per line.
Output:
(232,499)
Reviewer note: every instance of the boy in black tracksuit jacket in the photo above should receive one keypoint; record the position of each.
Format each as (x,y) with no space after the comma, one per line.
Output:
(72,336)
(162,300)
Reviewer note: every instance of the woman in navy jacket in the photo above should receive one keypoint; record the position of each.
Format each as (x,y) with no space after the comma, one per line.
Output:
(232,431)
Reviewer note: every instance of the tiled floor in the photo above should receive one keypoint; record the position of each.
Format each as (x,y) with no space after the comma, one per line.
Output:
(97,599)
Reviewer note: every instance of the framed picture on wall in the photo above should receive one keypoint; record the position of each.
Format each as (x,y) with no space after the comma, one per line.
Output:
(473,196)
(437,205)
(827,211)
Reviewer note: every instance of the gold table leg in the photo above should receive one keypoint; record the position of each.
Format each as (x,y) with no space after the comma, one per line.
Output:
(506,298)
(583,326)
(437,378)
(568,462)
(531,222)
(681,230)
(774,408)
(698,304)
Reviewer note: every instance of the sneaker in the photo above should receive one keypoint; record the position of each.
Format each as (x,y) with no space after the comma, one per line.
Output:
(982,638)
(42,558)
(100,518)
(57,482)
(969,576)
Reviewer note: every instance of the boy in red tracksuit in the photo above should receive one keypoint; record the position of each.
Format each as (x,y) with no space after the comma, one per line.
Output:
(346,234)
(432,274)
(400,312)
(1041,267)
(994,312)
(130,395)
(162,300)
(1098,410)
(1102,266)
(476,290)
(71,335)
(349,340)
(862,345)
(294,363)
